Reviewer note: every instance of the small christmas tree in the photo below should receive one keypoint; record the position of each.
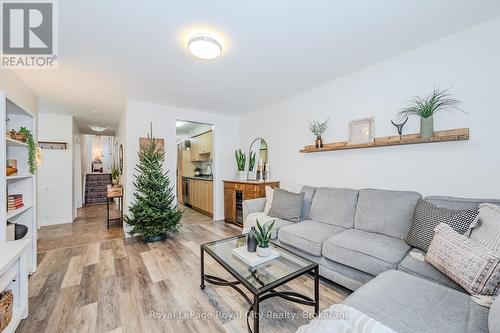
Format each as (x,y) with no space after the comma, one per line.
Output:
(154,212)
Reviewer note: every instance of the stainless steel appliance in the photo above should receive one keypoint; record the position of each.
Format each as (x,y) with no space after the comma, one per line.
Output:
(185,190)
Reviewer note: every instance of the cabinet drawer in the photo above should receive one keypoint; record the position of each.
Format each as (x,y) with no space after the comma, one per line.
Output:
(229,186)
(238,187)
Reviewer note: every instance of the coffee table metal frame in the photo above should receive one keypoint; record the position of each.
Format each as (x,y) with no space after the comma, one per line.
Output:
(266,291)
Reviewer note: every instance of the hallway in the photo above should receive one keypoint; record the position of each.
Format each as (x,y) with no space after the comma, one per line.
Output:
(89,227)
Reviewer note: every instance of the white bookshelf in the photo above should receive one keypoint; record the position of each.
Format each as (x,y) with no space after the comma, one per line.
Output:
(23,182)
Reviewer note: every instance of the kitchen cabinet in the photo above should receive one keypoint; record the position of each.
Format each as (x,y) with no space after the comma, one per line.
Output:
(201,147)
(235,191)
(201,195)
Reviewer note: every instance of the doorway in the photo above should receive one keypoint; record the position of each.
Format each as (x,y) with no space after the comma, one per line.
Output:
(195,166)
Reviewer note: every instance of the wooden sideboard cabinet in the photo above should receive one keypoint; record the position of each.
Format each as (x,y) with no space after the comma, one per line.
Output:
(235,191)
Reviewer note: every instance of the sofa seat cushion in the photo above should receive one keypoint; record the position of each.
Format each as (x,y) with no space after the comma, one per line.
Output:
(409,304)
(263,219)
(307,236)
(369,252)
(414,263)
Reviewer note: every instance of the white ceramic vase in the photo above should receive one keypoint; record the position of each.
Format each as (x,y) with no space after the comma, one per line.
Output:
(242,175)
(263,251)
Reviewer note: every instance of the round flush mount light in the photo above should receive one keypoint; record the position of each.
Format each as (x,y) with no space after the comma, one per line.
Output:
(97,128)
(204,47)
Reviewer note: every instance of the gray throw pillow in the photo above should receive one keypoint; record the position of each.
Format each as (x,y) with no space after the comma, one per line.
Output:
(428,216)
(286,205)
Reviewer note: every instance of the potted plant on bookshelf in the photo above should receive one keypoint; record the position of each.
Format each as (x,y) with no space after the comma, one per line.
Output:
(263,235)
(32,149)
(318,128)
(115,174)
(427,107)
(240,163)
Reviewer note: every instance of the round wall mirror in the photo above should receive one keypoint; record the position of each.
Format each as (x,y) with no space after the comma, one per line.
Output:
(120,157)
(257,159)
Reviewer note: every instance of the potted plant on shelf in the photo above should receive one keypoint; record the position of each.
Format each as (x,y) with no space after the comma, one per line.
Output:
(115,174)
(427,107)
(240,163)
(318,128)
(33,152)
(263,235)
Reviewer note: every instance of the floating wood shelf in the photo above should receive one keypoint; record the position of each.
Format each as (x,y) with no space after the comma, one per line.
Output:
(459,134)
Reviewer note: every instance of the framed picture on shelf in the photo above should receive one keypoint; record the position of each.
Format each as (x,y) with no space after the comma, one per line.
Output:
(361,131)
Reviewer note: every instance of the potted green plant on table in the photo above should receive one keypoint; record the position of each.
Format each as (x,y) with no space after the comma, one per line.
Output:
(240,163)
(427,107)
(263,235)
(154,213)
(115,174)
(318,128)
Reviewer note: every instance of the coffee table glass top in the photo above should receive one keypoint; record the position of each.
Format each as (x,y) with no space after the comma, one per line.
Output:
(263,275)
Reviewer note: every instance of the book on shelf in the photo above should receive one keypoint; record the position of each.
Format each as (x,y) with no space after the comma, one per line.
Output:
(12,208)
(14,201)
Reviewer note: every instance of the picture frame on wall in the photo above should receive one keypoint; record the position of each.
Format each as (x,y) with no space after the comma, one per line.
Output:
(362,131)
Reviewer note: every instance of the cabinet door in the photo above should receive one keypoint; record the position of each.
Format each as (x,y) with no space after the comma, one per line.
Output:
(195,148)
(230,205)
(210,197)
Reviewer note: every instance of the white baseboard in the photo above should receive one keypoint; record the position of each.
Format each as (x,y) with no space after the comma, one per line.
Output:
(51,221)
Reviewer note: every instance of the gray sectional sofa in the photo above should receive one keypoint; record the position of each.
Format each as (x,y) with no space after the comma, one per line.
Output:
(358,236)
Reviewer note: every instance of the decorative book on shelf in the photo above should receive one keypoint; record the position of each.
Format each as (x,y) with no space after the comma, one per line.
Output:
(459,134)
(14,201)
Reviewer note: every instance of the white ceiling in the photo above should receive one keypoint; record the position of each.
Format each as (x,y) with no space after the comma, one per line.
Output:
(190,129)
(114,50)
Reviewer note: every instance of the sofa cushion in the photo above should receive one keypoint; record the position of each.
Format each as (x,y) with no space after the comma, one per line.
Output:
(307,236)
(473,266)
(459,203)
(409,304)
(486,228)
(494,316)
(385,212)
(278,223)
(251,221)
(309,192)
(369,252)
(335,206)
(427,216)
(286,205)
(414,263)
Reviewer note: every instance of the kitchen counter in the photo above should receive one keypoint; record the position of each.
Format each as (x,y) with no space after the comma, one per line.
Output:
(209,179)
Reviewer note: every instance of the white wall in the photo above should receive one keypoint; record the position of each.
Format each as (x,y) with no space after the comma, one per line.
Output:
(17,91)
(467,61)
(138,117)
(55,175)
(77,170)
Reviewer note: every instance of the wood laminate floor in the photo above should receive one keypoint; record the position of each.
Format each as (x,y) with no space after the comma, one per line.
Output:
(93,280)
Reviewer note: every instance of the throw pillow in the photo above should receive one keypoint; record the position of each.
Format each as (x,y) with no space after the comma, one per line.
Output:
(473,266)
(269,199)
(486,228)
(427,216)
(286,205)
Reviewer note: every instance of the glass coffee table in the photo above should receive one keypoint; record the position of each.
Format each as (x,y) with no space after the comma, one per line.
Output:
(261,280)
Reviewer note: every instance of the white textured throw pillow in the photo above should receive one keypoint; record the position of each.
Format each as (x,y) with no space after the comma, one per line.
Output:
(269,199)
(486,228)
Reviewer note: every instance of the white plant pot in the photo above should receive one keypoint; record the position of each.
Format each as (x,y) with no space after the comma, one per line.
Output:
(263,251)
(242,175)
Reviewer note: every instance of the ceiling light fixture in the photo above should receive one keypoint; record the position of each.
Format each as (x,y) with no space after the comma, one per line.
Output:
(97,128)
(179,123)
(204,47)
